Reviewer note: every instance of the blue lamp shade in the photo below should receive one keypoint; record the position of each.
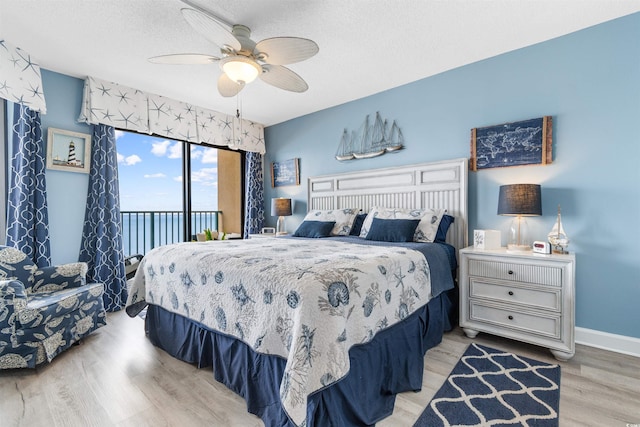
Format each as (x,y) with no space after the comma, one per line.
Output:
(520,199)
(281,207)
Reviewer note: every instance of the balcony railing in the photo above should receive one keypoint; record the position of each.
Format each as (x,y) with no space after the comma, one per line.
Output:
(144,230)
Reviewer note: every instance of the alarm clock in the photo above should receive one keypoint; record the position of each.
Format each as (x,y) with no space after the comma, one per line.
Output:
(541,247)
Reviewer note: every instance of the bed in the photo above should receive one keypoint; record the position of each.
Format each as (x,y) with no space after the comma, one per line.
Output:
(314,332)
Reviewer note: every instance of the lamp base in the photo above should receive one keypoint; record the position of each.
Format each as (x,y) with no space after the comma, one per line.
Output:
(513,248)
(280,230)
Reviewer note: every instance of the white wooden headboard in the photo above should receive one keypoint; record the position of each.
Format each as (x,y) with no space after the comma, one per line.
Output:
(427,185)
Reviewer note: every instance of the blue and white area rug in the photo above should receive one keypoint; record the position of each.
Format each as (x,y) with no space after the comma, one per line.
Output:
(490,387)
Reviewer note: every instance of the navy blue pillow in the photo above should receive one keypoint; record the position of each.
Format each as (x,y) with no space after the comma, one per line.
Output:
(392,230)
(443,227)
(357,224)
(315,229)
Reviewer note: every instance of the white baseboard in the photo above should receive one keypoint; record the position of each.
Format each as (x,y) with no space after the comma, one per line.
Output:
(612,342)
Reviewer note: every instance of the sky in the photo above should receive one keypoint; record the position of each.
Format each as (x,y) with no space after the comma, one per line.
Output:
(150,174)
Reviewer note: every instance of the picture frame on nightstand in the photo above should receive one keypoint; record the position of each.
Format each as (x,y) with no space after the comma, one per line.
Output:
(486,239)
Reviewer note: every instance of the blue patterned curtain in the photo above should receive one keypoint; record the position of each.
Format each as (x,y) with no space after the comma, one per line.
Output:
(254,194)
(101,245)
(27,215)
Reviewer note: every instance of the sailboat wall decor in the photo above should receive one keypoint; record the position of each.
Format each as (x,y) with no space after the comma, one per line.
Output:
(371,140)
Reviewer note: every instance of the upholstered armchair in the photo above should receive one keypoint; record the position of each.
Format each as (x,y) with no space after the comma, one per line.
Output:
(43,311)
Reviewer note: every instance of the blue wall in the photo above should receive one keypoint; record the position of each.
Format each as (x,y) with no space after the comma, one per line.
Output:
(66,191)
(589,81)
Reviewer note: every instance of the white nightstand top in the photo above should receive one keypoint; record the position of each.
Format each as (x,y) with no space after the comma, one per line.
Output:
(262,235)
(524,254)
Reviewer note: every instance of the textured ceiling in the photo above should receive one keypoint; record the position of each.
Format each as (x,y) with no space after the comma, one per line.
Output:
(366,46)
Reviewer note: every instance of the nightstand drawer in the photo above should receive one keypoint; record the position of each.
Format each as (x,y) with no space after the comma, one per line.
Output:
(525,273)
(546,298)
(548,326)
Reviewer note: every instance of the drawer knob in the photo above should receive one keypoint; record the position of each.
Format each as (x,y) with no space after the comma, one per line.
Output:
(511,293)
(510,271)
(510,317)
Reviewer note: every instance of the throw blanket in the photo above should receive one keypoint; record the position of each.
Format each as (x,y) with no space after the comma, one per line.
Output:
(307,301)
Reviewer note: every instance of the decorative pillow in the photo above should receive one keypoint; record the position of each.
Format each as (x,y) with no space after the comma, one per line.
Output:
(445,222)
(426,230)
(343,219)
(315,229)
(392,230)
(357,224)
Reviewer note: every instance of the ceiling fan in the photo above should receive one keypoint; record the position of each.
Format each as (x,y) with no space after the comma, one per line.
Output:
(240,58)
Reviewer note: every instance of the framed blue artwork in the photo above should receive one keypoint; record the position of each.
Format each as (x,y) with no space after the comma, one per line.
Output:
(285,173)
(528,142)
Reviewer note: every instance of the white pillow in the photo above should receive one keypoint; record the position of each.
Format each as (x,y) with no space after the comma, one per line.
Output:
(426,230)
(343,217)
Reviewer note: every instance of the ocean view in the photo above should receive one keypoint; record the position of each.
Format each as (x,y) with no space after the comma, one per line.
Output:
(145,230)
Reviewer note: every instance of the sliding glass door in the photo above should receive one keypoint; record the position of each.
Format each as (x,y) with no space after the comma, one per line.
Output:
(204,188)
(169,190)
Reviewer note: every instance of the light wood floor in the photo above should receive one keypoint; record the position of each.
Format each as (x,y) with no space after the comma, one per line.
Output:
(117,378)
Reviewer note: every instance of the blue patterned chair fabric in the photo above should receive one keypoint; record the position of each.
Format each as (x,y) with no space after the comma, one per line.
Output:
(43,311)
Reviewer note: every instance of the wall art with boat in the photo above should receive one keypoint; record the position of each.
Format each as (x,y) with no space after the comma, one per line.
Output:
(372,139)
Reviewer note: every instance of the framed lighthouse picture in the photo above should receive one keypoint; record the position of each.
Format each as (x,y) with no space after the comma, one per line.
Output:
(68,151)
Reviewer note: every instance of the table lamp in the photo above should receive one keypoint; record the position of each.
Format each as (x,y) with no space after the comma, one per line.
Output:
(519,200)
(280,207)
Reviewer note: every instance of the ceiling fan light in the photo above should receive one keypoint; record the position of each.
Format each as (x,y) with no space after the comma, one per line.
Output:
(240,69)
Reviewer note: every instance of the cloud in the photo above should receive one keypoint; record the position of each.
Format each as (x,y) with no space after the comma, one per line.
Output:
(160,148)
(196,152)
(175,151)
(130,160)
(155,175)
(164,148)
(210,156)
(206,155)
(118,133)
(178,178)
(205,176)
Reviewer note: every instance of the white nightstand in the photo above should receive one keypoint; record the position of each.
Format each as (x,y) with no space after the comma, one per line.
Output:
(262,236)
(528,297)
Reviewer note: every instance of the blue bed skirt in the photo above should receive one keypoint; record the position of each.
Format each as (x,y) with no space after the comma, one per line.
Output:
(391,363)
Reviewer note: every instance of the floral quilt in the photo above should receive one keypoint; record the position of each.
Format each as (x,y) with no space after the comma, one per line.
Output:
(306,300)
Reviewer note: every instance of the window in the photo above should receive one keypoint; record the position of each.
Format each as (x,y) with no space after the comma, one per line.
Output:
(205,198)
(171,189)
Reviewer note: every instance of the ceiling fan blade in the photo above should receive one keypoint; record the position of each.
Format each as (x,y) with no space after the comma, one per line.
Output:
(184,58)
(210,28)
(283,78)
(228,87)
(286,50)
